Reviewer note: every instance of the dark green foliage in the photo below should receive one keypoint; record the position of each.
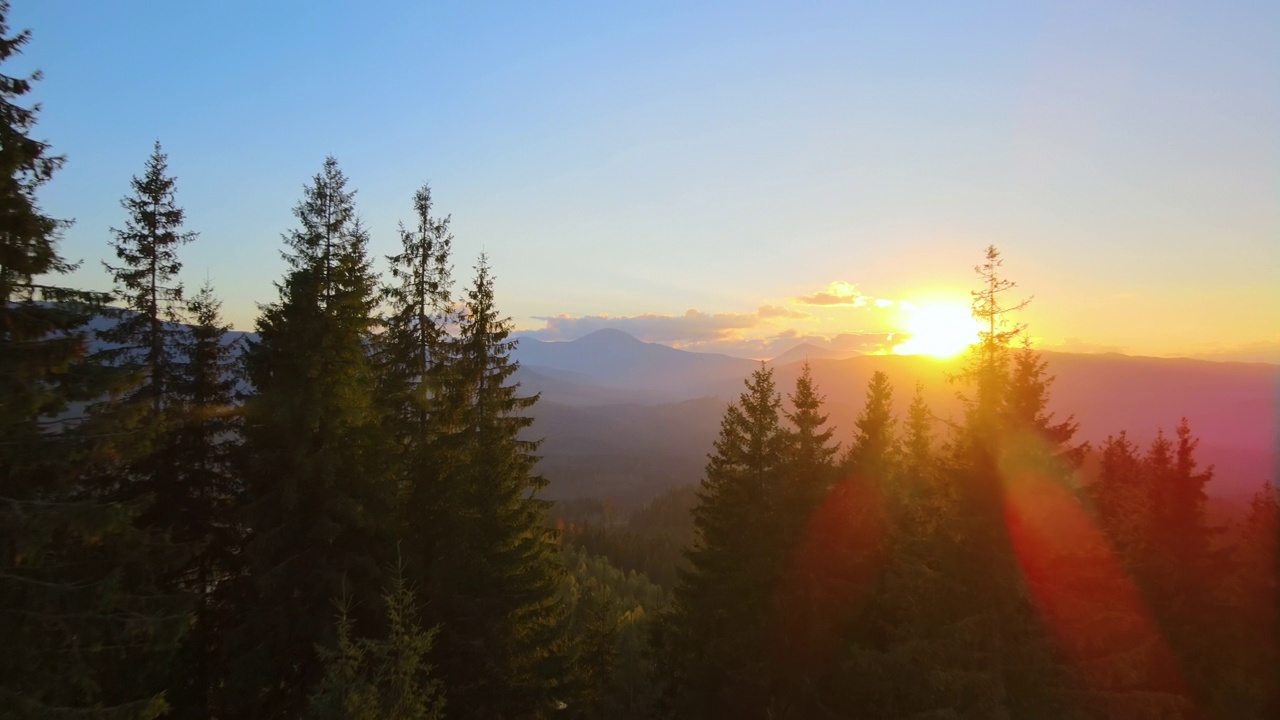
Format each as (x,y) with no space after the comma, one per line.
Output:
(411,348)
(71,616)
(1123,498)
(411,356)
(811,465)
(824,568)
(381,678)
(143,335)
(611,623)
(418,300)
(494,574)
(319,505)
(974,574)
(1255,584)
(718,635)
(949,629)
(873,452)
(652,541)
(198,510)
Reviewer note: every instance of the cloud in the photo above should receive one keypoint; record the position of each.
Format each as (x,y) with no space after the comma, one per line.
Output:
(769,312)
(837,293)
(694,326)
(883,303)
(774,345)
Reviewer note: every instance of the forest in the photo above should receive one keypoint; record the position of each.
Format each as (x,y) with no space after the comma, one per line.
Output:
(340,515)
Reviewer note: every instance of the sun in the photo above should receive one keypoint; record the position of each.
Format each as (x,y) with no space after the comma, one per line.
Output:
(942,331)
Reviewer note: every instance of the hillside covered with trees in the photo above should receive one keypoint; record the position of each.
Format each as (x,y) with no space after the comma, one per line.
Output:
(342,516)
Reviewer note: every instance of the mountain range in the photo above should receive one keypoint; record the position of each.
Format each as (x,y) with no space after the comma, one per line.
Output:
(625,419)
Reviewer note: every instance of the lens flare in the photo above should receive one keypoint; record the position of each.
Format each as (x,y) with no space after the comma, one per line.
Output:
(1080,587)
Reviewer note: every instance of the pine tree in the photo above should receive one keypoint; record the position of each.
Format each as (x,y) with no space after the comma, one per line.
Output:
(917,438)
(1256,585)
(413,341)
(994,466)
(412,363)
(812,459)
(810,473)
(146,281)
(67,606)
(811,465)
(1026,411)
(1123,499)
(873,454)
(717,636)
(1189,581)
(1181,519)
(320,504)
(198,509)
(381,679)
(987,370)
(495,576)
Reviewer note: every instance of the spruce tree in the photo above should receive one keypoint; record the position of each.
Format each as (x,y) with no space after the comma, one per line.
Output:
(873,453)
(414,336)
(495,576)
(1026,411)
(1122,498)
(1186,580)
(991,459)
(987,369)
(813,454)
(917,448)
(717,638)
(146,281)
(831,549)
(368,678)
(68,610)
(319,503)
(412,366)
(198,509)
(1256,585)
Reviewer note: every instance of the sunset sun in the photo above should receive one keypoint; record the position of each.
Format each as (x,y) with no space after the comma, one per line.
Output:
(939,330)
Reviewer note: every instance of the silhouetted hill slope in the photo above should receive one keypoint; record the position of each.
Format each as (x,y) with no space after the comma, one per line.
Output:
(628,452)
(612,358)
(627,419)
(806,351)
(1233,407)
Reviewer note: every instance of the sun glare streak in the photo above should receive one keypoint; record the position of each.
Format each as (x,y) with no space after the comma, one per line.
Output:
(1084,595)
(942,331)
(841,551)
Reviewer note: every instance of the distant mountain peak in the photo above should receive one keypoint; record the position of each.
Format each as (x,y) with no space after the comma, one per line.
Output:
(609,336)
(807,351)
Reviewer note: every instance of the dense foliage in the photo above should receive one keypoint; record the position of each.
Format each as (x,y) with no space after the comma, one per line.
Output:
(342,518)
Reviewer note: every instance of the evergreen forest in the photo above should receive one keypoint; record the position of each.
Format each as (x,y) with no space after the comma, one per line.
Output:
(340,514)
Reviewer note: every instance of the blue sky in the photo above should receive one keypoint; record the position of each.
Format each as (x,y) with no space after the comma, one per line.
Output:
(642,160)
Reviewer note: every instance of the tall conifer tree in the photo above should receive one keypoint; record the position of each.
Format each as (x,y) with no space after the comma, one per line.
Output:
(198,510)
(146,280)
(68,612)
(873,453)
(812,459)
(319,504)
(718,634)
(413,363)
(495,572)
